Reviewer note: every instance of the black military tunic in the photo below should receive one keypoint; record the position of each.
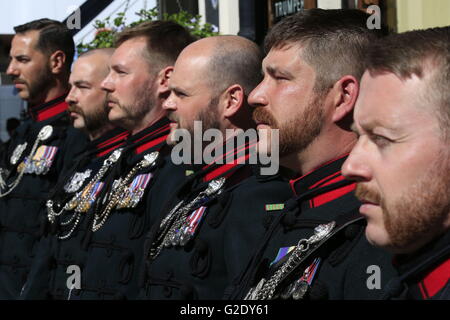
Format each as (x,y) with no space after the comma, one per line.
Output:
(115,248)
(20,221)
(63,246)
(339,270)
(224,227)
(423,275)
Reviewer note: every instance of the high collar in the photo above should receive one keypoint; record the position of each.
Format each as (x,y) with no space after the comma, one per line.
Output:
(428,268)
(49,109)
(108,142)
(152,137)
(325,175)
(233,155)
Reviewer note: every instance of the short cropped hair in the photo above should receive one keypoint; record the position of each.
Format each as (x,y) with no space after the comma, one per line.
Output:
(165,41)
(419,53)
(334,42)
(235,62)
(53,36)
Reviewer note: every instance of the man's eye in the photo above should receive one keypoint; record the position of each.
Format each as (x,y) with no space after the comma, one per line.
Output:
(380,141)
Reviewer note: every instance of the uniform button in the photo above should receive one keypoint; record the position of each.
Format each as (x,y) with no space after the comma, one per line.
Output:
(167,291)
(169,275)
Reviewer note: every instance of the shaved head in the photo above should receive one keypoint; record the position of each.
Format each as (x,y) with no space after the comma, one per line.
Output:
(227,60)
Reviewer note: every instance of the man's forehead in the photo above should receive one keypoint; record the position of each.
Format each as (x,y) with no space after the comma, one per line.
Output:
(287,56)
(25,41)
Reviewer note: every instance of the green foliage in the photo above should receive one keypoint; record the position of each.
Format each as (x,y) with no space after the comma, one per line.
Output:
(107,29)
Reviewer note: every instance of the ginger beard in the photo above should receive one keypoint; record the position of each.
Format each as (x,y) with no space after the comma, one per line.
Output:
(298,132)
(418,214)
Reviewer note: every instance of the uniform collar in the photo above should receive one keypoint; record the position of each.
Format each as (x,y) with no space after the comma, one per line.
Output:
(108,142)
(49,109)
(428,269)
(325,175)
(234,154)
(151,138)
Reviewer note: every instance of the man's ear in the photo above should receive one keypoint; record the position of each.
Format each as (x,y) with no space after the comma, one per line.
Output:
(57,62)
(233,99)
(346,92)
(163,80)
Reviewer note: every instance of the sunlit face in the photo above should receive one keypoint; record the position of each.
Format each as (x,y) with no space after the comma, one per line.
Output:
(29,68)
(192,98)
(131,86)
(87,99)
(286,100)
(401,162)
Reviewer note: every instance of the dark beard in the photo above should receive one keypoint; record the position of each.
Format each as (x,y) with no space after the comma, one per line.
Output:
(298,133)
(42,82)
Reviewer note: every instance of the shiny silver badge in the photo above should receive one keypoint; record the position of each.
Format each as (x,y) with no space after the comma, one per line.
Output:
(45,133)
(77,181)
(17,153)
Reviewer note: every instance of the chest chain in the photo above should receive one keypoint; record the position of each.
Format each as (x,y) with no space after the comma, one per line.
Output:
(170,232)
(43,135)
(265,289)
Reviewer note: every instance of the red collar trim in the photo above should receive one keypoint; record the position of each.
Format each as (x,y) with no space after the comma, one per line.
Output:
(49,109)
(326,174)
(435,280)
(227,169)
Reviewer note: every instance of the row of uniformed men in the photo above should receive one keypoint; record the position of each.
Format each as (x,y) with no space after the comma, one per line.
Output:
(108,203)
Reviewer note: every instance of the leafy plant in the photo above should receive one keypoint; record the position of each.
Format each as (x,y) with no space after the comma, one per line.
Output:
(106,29)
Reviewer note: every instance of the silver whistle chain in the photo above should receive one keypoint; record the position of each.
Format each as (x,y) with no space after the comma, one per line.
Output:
(265,289)
(169,229)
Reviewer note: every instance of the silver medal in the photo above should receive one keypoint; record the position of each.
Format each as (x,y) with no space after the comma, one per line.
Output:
(17,153)
(149,159)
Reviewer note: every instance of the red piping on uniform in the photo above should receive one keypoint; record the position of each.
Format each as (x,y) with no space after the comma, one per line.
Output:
(435,280)
(51,111)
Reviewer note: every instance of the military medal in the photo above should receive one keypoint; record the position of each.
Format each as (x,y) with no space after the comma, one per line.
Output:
(187,231)
(77,181)
(134,192)
(267,289)
(84,199)
(29,165)
(17,153)
(176,229)
(119,196)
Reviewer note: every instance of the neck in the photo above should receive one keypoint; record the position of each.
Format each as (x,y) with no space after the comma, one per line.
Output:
(149,119)
(325,148)
(93,135)
(57,90)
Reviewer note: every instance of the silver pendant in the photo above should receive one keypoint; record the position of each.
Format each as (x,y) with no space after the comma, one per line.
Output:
(214,186)
(149,159)
(299,289)
(77,181)
(17,153)
(45,133)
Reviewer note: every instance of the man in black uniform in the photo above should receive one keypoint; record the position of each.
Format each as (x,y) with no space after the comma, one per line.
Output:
(77,189)
(136,87)
(206,230)
(315,248)
(402,159)
(41,56)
